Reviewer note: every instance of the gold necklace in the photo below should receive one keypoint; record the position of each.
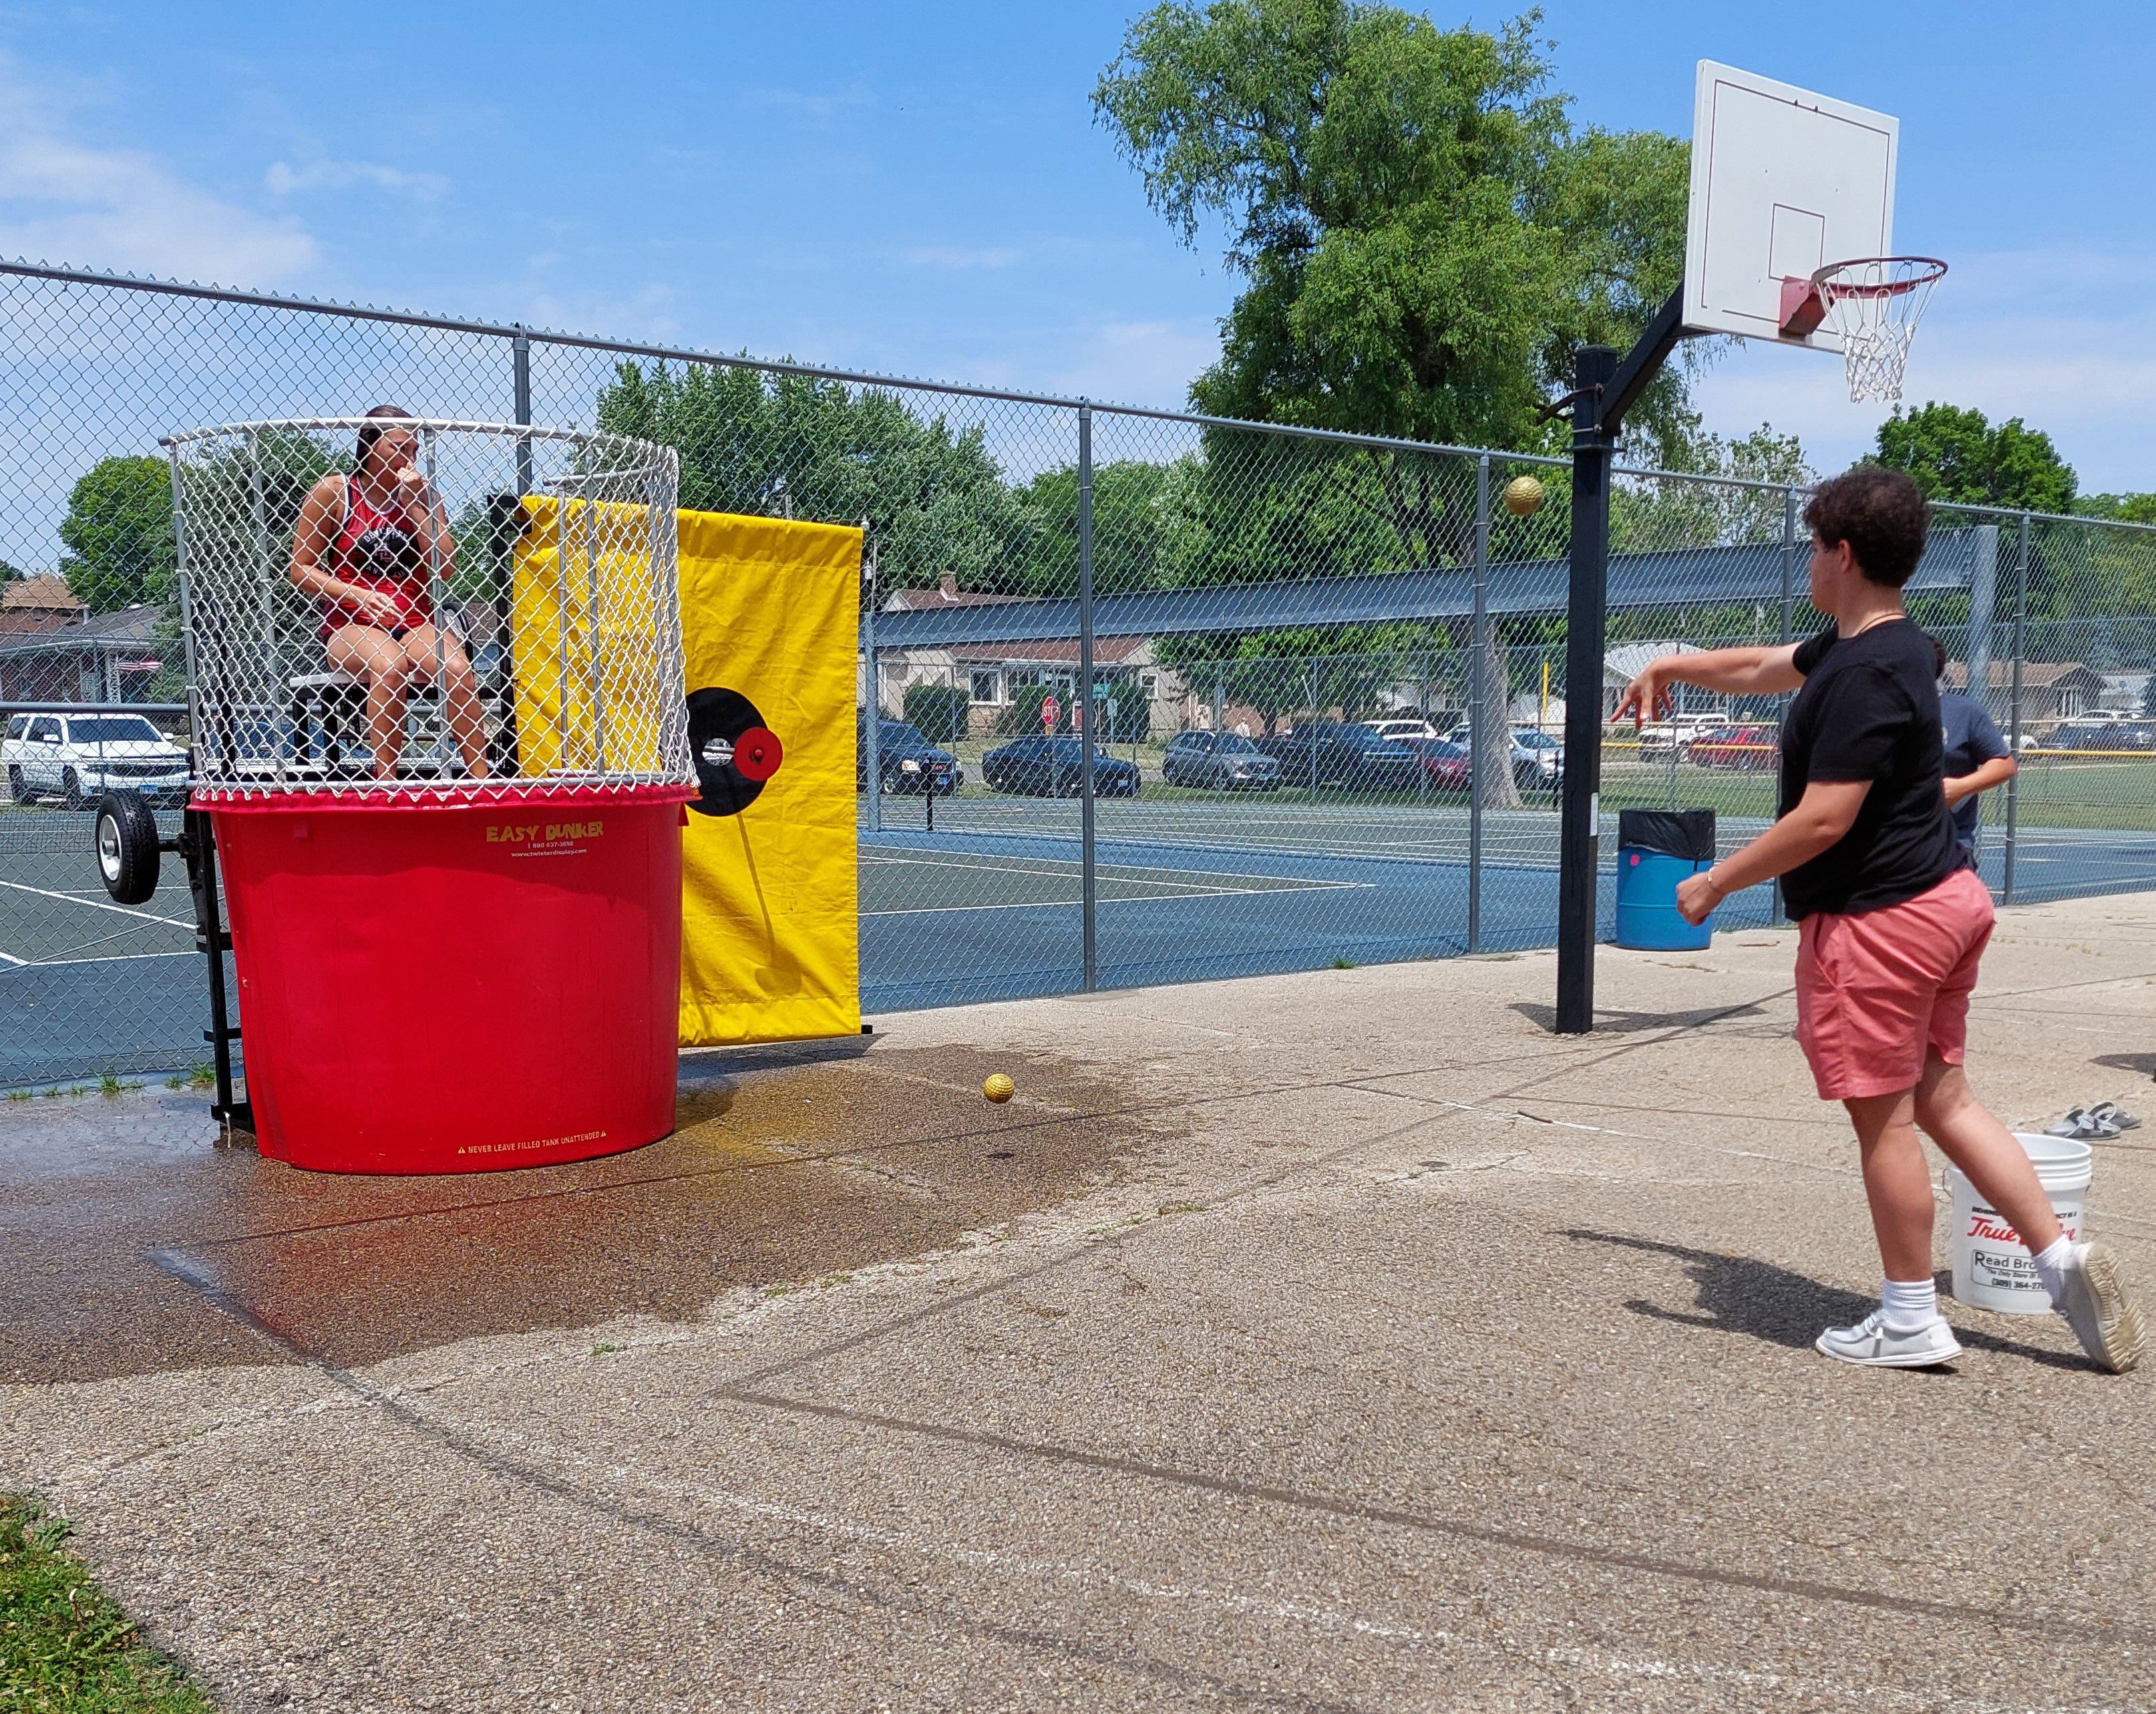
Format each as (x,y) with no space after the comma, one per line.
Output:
(1880,619)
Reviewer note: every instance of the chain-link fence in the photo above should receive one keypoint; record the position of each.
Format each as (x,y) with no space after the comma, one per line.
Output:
(1321,678)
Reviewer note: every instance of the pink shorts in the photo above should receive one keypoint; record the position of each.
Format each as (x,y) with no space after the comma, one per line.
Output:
(1878,991)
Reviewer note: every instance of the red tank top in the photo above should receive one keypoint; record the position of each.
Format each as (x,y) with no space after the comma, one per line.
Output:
(375,550)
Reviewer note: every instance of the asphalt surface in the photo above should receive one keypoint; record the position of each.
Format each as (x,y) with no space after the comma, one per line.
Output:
(1338,1341)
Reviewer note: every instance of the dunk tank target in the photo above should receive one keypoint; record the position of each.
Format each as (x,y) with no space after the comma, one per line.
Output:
(441,738)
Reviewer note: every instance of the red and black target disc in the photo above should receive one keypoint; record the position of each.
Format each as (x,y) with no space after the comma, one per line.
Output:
(734,751)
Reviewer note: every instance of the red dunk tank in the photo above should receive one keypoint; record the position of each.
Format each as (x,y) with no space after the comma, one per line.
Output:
(448,821)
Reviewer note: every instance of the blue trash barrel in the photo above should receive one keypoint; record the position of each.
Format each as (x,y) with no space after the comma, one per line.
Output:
(1655,849)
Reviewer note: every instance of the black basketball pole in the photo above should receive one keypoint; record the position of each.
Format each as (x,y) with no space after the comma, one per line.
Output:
(1604,390)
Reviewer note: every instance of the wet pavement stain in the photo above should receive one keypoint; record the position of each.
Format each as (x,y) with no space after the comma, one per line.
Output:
(788,1166)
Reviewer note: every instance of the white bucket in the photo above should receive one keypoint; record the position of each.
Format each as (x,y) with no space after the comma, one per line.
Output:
(1992,1267)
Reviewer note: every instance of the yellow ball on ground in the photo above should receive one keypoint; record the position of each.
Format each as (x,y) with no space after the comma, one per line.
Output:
(999,1088)
(1523,495)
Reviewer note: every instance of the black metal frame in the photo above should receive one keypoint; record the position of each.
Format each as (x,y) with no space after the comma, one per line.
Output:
(1604,388)
(197,842)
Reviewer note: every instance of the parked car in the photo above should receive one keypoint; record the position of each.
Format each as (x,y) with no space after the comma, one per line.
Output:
(908,762)
(1537,758)
(1042,767)
(1404,726)
(79,756)
(1341,753)
(1446,767)
(1676,733)
(1747,746)
(1221,762)
(2101,735)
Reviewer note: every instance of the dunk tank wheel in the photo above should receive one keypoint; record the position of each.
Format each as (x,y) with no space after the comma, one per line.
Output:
(127,843)
(735,752)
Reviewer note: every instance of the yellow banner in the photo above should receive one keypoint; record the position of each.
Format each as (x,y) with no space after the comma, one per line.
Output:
(770,918)
(770,619)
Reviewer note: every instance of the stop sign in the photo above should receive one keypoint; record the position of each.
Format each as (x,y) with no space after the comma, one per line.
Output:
(1049,709)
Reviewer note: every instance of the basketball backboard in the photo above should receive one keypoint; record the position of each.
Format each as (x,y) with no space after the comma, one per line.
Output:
(1782,182)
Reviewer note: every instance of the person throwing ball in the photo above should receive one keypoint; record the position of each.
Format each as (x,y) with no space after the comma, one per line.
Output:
(1892,921)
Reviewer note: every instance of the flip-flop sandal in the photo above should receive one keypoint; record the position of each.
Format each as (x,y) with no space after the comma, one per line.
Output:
(2096,1127)
(2069,1125)
(2114,1115)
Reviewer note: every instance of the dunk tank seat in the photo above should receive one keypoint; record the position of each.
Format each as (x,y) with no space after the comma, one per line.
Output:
(475,967)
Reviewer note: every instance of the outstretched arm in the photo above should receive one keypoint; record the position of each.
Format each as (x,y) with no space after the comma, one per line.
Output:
(1739,672)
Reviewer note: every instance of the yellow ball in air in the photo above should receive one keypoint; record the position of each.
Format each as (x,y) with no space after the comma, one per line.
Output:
(1523,495)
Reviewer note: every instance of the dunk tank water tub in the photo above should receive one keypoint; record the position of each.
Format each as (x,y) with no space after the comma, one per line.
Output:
(465,955)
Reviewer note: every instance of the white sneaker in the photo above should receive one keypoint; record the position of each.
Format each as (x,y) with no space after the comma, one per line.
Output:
(1871,1341)
(2097,1306)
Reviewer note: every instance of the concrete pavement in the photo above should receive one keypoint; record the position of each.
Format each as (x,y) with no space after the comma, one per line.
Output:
(1332,1341)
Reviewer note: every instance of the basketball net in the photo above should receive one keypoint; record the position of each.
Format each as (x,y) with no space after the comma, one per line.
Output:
(1874,305)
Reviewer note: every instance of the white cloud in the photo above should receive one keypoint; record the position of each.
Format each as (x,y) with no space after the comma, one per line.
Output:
(957,256)
(1141,362)
(284,178)
(65,199)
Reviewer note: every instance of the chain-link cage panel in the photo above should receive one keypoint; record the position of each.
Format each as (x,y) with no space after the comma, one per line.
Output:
(387,605)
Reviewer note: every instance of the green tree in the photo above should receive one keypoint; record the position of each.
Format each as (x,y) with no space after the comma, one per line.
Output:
(1425,239)
(1147,532)
(1959,458)
(1425,235)
(932,496)
(118,532)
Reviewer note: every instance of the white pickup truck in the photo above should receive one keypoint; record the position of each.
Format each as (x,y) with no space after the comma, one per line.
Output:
(77,757)
(1675,733)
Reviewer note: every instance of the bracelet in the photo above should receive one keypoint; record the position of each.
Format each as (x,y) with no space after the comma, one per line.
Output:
(1707,875)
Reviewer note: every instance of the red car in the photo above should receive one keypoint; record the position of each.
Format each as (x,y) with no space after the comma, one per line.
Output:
(1446,767)
(1735,746)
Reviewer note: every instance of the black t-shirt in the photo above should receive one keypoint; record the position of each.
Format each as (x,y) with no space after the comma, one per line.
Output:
(1870,710)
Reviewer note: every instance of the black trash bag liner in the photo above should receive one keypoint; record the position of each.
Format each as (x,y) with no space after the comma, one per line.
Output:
(1674,833)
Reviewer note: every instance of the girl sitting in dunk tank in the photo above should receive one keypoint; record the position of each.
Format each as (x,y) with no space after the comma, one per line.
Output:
(364,547)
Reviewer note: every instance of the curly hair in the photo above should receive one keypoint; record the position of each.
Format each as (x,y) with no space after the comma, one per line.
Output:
(1881,515)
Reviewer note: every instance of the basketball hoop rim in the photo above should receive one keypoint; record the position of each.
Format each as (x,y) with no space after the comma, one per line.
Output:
(1930,268)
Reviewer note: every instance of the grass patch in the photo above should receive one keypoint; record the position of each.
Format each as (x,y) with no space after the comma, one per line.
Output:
(65,1647)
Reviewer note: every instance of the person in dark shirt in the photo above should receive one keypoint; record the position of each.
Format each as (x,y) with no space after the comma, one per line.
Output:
(1978,756)
(1892,921)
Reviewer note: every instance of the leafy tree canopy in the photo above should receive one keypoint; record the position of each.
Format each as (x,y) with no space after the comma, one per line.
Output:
(118,532)
(1425,235)
(933,497)
(1959,458)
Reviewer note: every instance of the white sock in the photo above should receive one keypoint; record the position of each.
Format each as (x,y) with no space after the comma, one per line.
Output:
(2051,1266)
(1911,1304)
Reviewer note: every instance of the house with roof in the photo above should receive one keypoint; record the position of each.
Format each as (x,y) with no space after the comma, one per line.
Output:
(108,659)
(2052,691)
(31,605)
(996,674)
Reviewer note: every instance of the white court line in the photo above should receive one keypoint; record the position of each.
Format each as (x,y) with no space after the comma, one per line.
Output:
(1194,896)
(95,904)
(1071,865)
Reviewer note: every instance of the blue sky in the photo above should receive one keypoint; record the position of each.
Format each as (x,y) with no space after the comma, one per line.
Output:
(922,190)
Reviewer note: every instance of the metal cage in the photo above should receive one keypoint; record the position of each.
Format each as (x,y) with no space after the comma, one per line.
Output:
(486,607)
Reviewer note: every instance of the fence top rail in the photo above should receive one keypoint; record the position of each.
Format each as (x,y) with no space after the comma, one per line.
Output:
(686,354)
(51,707)
(507,431)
